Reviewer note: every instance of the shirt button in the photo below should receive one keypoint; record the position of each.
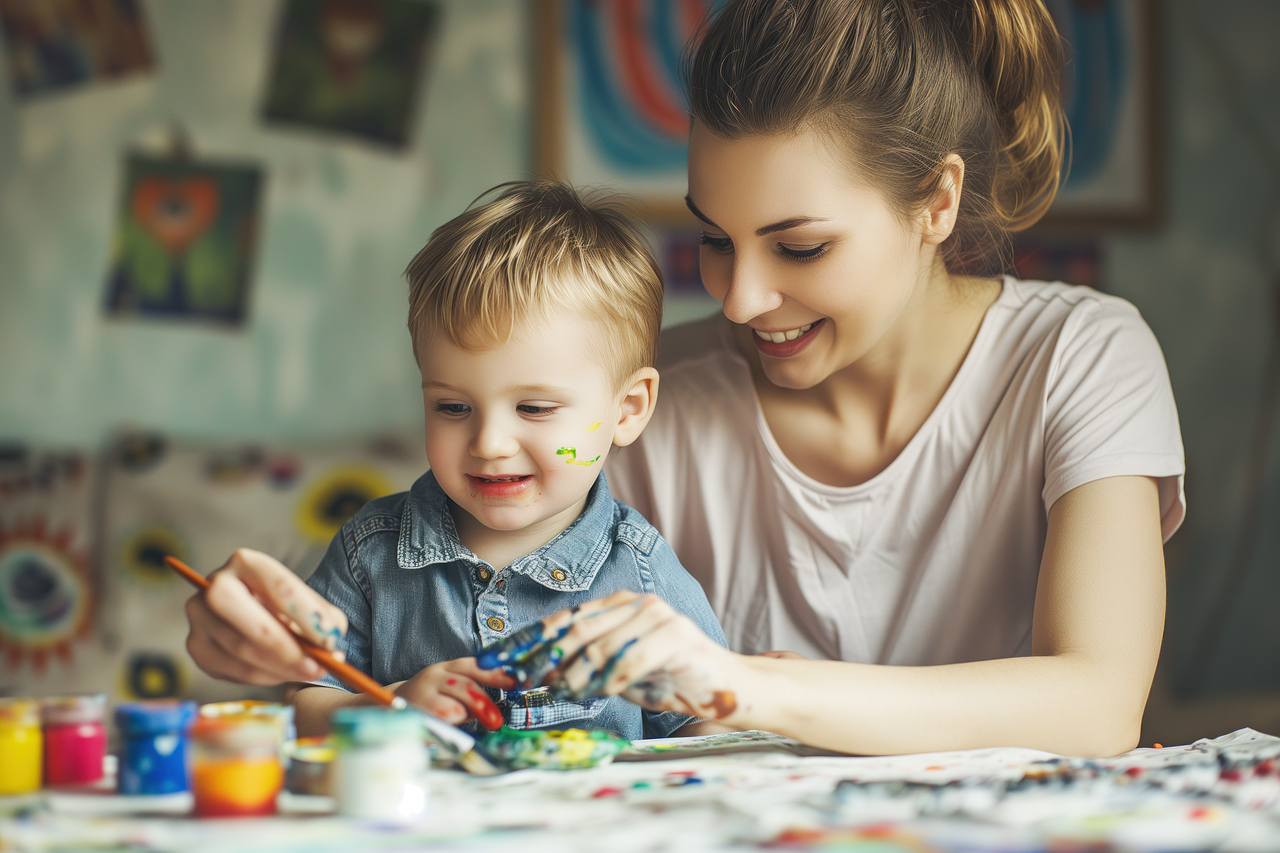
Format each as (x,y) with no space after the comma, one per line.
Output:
(558,575)
(495,623)
(485,573)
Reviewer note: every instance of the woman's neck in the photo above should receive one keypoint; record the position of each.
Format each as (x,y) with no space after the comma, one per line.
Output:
(869,410)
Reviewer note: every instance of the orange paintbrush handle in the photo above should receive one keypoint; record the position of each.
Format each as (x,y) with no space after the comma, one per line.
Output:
(343,671)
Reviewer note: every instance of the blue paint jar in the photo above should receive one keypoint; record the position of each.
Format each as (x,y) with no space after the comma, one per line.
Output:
(154,746)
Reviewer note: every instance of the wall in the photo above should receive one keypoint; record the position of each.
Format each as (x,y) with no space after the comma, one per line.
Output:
(324,352)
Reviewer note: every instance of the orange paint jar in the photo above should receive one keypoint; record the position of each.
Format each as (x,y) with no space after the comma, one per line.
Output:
(236,769)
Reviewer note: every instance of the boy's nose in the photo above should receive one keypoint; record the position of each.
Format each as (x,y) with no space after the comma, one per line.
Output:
(492,441)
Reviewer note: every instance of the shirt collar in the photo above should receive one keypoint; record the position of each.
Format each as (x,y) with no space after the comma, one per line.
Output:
(569,562)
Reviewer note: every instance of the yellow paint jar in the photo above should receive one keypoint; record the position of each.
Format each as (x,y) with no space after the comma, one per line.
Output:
(21,746)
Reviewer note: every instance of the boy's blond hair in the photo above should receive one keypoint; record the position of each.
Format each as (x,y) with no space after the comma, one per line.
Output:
(534,250)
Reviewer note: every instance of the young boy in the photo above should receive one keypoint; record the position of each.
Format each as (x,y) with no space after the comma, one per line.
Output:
(534,318)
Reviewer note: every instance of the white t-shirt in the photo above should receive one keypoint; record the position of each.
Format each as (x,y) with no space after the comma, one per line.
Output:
(935,559)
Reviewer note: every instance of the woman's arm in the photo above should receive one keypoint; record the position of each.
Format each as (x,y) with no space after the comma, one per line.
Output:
(1099,618)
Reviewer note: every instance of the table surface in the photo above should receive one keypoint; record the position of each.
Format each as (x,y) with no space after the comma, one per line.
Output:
(744,791)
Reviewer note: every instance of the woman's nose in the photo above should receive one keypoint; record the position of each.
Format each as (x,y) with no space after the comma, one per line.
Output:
(750,293)
(493,440)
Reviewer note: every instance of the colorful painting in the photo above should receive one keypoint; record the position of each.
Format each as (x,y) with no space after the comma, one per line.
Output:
(185,240)
(611,110)
(352,66)
(1109,96)
(59,44)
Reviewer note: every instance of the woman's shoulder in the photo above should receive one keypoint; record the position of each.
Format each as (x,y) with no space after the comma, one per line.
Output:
(1058,300)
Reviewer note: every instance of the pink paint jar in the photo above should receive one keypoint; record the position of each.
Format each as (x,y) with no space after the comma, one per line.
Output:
(75,739)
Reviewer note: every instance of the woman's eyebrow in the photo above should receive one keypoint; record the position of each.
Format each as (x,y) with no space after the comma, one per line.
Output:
(785,224)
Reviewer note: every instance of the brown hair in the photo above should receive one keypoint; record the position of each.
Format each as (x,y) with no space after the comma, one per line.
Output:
(901,84)
(534,249)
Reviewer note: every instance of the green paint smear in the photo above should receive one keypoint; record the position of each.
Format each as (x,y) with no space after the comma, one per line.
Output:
(567,749)
(574,460)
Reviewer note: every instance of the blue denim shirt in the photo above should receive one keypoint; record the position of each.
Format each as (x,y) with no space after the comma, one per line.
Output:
(415,596)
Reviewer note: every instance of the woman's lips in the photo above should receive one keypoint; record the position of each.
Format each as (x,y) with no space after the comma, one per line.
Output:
(505,487)
(786,349)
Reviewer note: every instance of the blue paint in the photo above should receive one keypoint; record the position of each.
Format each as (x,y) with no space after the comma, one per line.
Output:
(154,746)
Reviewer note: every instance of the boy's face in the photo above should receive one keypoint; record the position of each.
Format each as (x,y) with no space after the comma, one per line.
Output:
(517,433)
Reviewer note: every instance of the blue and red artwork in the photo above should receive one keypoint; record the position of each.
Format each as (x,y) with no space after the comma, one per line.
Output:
(628,78)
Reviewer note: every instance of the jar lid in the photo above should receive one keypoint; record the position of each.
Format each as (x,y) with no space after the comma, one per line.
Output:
(82,708)
(370,726)
(155,715)
(241,731)
(19,713)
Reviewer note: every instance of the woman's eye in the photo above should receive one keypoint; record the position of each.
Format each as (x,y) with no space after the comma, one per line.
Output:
(807,253)
(528,409)
(452,408)
(716,244)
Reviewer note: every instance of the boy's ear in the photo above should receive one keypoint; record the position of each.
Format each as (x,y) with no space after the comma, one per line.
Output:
(637,406)
(939,218)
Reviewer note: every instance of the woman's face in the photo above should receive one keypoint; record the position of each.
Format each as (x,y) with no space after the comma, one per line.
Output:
(814,262)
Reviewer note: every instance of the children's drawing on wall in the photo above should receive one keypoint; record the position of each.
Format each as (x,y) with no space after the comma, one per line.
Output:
(185,240)
(353,66)
(1109,99)
(57,44)
(47,593)
(46,597)
(610,103)
(335,496)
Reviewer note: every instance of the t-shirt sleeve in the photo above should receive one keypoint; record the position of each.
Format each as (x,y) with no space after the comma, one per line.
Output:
(336,580)
(1109,408)
(678,588)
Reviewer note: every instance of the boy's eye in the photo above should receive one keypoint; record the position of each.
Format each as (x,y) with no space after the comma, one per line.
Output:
(452,408)
(531,409)
(808,253)
(716,244)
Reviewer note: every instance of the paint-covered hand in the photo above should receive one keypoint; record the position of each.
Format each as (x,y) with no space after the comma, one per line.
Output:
(625,644)
(241,625)
(453,691)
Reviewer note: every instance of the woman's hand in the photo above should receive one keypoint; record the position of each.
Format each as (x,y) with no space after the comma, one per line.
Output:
(452,691)
(625,644)
(240,626)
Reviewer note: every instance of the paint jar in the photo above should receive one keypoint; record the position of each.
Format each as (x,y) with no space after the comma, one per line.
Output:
(236,769)
(75,738)
(276,711)
(380,764)
(309,767)
(21,744)
(154,746)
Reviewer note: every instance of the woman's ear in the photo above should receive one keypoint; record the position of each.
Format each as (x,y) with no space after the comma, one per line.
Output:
(939,218)
(636,406)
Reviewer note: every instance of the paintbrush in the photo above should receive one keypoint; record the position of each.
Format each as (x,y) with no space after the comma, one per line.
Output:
(452,737)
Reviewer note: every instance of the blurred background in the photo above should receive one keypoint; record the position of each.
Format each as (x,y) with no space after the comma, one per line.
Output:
(206,209)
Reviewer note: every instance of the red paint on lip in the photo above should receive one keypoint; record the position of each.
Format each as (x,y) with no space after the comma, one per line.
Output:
(503,489)
(786,349)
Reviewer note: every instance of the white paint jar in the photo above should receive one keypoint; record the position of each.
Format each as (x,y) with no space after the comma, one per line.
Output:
(380,764)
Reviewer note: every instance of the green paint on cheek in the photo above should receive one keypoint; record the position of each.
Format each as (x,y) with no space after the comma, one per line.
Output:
(572,453)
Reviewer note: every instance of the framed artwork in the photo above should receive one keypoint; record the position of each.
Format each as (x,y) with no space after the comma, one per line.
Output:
(53,45)
(609,108)
(1111,98)
(185,239)
(350,66)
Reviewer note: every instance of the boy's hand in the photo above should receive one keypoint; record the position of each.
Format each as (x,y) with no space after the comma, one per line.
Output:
(452,691)
(238,625)
(628,644)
